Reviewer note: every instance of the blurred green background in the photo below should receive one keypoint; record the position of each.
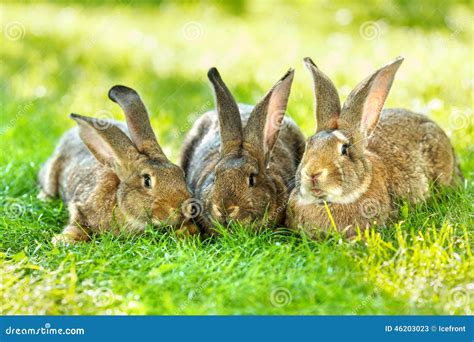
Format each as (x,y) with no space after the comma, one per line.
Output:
(62,57)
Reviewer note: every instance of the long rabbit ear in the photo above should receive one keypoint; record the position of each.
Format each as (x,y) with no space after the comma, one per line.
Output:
(364,104)
(138,121)
(327,104)
(230,124)
(108,143)
(265,121)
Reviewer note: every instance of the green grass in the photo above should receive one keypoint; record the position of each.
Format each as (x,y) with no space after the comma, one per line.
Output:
(66,58)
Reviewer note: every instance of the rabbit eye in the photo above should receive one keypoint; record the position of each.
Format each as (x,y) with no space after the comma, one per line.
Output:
(147,181)
(252,179)
(344,148)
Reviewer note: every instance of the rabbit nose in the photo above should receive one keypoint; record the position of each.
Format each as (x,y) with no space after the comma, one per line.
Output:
(315,177)
(233,211)
(174,212)
(174,216)
(216,212)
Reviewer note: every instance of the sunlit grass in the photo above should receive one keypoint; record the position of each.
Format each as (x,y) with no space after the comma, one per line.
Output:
(67,62)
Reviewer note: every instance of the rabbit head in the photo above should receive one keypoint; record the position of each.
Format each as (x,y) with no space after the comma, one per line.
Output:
(335,167)
(243,188)
(150,189)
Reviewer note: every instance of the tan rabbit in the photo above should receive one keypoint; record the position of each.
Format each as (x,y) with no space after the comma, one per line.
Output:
(111,182)
(240,160)
(362,158)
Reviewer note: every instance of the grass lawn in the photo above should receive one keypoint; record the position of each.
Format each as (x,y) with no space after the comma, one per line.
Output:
(57,59)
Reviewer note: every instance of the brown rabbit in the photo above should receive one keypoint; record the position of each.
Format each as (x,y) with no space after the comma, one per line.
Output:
(362,158)
(240,160)
(109,180)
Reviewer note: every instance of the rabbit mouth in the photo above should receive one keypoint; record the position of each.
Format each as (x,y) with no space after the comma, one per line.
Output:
(170,221)
(312,195)
(319,197)
(318,193)
(171,218)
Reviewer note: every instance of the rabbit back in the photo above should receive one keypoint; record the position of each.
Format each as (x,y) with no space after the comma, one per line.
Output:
(416,153)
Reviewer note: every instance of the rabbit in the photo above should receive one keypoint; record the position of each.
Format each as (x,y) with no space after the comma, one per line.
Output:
(110,176)
(362,159)
(240,160)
